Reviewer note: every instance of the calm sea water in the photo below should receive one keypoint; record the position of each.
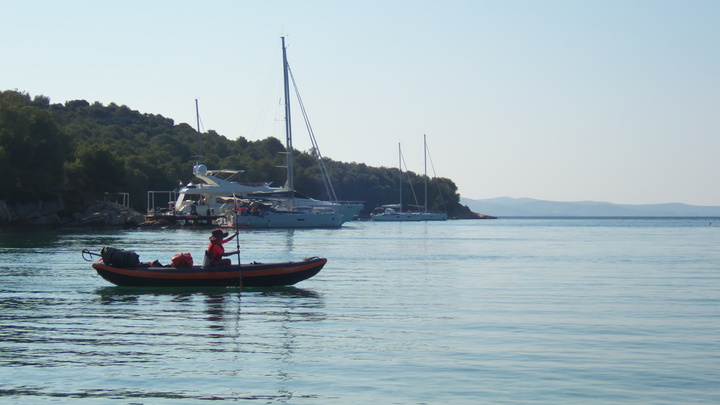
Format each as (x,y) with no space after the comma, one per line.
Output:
(517,311)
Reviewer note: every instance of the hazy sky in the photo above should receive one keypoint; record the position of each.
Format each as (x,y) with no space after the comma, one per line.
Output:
(614,101)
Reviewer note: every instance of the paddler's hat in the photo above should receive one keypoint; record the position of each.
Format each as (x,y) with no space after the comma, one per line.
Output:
(218,234)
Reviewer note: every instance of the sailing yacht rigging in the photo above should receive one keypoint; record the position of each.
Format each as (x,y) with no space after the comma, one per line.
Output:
(393,212)
(263,206)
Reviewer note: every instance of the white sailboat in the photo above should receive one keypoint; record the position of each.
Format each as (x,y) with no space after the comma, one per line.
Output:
(393,212)
(262,206)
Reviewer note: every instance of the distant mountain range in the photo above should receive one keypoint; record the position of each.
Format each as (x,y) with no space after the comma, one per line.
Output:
(528,207)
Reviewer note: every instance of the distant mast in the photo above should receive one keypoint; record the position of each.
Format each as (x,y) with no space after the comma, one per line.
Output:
(197,117)
(425,208)
(290,182)
(400,167)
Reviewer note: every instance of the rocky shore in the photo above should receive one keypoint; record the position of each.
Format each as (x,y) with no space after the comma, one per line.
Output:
(475,215)
(53,213)
(464,212)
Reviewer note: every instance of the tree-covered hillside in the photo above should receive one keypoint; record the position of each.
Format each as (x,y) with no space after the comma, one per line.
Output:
(85,150)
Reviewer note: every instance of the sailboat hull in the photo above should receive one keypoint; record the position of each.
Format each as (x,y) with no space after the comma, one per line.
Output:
(291,220)
(409,217)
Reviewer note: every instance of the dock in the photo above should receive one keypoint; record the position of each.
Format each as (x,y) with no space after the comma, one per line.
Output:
(192,220)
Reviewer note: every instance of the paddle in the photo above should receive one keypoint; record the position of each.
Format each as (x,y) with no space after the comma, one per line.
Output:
(237,238)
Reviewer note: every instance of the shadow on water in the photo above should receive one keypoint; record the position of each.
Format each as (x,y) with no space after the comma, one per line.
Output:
(115,294)
(19,239)
(52,238)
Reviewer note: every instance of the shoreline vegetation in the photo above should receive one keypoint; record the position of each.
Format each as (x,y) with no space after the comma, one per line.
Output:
(58,160)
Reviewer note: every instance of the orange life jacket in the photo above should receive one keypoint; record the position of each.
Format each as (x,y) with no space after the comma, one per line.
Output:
(215,251)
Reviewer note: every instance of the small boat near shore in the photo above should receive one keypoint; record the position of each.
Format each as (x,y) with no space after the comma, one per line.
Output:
(394,212)
(239,275)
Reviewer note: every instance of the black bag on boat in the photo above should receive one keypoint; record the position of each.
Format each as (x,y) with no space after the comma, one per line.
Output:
(119,257)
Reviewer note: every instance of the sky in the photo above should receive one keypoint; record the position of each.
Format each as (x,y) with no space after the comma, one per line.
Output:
(614,100)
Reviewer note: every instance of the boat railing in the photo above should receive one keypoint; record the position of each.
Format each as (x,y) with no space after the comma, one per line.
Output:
(118,198)
(168,207)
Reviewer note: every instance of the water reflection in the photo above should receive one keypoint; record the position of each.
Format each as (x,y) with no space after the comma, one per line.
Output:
(109,295)
(217,313)
(276,304)
(19,239)
(289,240)
(285,291)
(240,332)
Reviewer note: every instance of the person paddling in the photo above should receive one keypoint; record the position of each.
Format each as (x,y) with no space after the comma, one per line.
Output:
(216,251)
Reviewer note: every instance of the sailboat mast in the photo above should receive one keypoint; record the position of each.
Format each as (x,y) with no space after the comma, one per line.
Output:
(426,182)
(290,182)
(400,178)
(197,117)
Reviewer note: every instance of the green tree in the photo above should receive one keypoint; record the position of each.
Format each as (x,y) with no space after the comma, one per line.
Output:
(34,148)
(96,170)
(112,148)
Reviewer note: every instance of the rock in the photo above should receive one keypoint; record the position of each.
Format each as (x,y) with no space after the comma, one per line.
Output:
(5,214)
(464,212)
(47,213)
(158,223)
(53,206)
(107,214)
(47,220)
(43,212)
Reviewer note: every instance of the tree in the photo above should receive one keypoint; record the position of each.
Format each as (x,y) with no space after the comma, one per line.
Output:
(34,147)
(116,149)
(96,170)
